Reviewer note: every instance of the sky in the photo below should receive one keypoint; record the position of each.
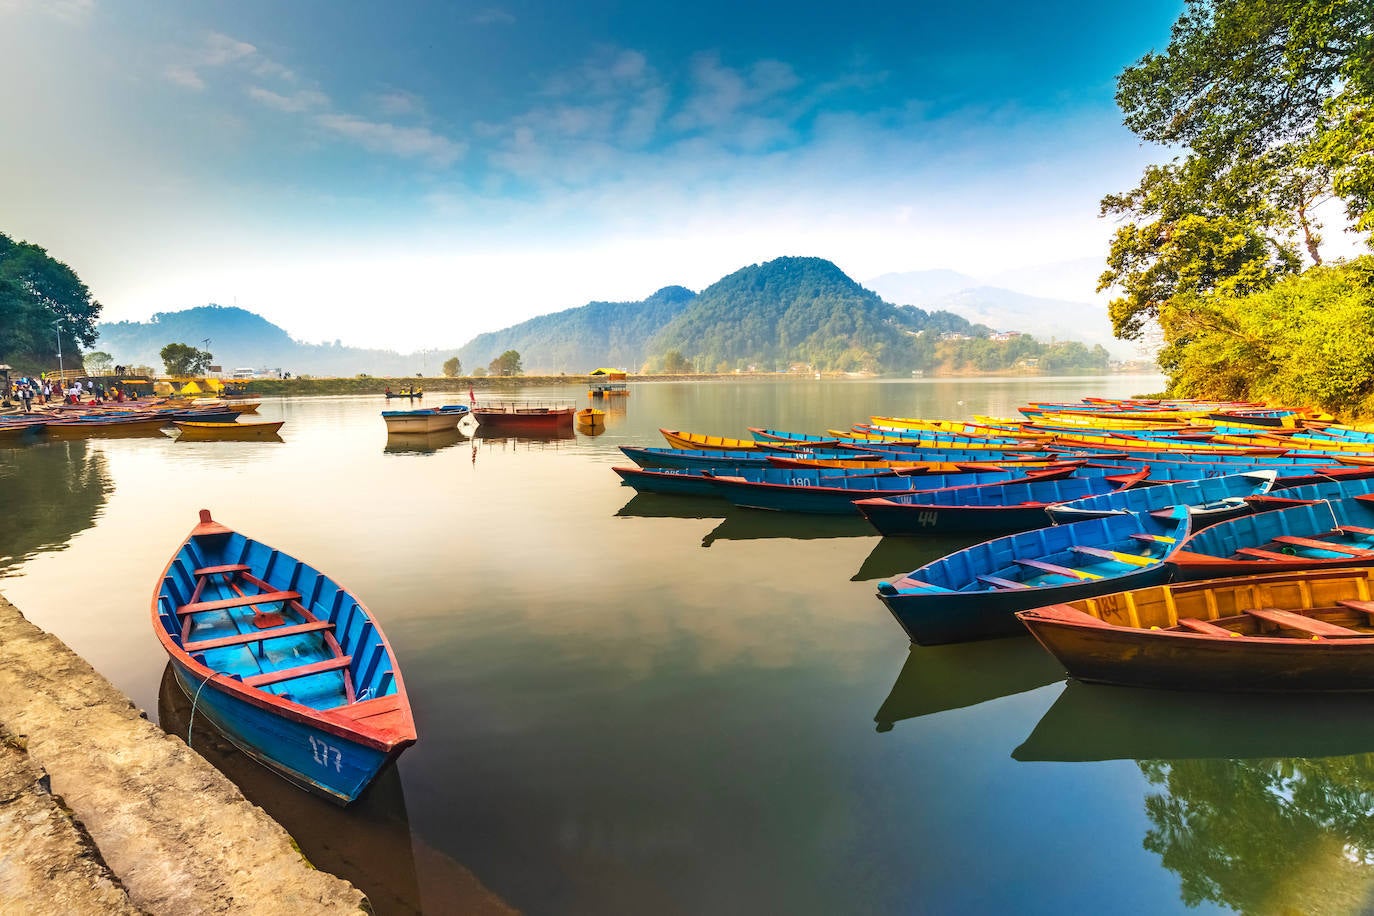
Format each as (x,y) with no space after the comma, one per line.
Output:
(406,175)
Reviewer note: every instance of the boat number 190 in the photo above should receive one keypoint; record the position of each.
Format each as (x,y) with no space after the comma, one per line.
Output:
(322,751)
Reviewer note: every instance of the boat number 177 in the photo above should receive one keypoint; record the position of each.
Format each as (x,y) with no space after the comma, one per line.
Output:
(321,750)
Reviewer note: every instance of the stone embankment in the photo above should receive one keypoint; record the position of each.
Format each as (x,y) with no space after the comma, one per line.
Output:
(103,812)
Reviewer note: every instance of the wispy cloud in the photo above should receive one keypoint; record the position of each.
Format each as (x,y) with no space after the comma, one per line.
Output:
(722,93)
(184,76)
(300,100)
(396,103)
(218,51)
(75,12)
(383,137)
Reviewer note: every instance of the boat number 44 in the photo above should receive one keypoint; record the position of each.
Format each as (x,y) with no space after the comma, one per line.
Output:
(927,519)
(325,752)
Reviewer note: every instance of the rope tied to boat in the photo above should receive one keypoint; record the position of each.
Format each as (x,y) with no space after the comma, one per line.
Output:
(196,699)
(1335,524)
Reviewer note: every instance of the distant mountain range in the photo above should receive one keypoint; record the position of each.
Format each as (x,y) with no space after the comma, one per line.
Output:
(785,313)
(1045,318)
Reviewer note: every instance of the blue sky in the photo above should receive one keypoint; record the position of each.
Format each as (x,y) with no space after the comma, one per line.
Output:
(412,174)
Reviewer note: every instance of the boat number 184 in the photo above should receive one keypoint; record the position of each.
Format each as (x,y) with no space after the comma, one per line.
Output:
(321,750)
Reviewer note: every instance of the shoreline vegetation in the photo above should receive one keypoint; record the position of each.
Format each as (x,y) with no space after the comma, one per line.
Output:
(488,385)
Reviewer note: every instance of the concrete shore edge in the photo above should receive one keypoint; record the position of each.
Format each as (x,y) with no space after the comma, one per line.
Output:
(103,811)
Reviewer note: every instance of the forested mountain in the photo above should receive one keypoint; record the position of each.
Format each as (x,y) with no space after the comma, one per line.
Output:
(803,311)
(578,340)
(240,338)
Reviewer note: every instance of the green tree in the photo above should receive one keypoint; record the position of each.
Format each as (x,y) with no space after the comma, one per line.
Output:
(507,363)
(674,363)
(97,362)
(38,296)
(181,359)
(452,367)
(1268,100)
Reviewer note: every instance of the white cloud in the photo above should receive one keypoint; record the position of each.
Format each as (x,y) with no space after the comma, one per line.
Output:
(396,103)
(301,100)
(73,12)
(184,77)
(721,92)
(379,136)
(220,49)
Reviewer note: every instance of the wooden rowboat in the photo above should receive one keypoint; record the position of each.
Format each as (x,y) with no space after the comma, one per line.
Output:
(973,593)
(1307,632)
(420,421)
(197,431)
(521,415)
(591,418)
(289,666)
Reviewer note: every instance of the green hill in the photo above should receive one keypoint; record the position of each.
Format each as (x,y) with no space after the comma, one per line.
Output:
(578,340)
(803,311)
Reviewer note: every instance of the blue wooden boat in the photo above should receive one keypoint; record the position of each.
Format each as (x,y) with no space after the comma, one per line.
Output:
(288,665)
(1209,500)
(704,481)
(696,458)
(796,492)
(974,593)
(995,509)
(459,409)
(1286,497)
(1313,535)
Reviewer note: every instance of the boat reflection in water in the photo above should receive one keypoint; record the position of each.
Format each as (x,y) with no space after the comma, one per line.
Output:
(660,505)
(940,678)
(754,524)
(422,443)
(1258,803)
(1099,722)
(898,556)
(368,843)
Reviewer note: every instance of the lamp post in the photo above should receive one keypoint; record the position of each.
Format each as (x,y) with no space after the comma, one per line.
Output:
(60,373)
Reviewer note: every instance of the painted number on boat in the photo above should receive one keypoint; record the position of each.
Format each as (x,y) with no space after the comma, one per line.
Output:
(927,519)
(801,482)
(321,750)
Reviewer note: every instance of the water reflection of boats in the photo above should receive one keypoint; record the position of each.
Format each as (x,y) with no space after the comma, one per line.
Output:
(422,443)
(753,524)
(939,678)
(1098,722)
(367,843)
(895,556)
(656,505)
(517,435)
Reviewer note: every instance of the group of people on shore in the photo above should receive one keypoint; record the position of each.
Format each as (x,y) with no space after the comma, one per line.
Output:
(27,390)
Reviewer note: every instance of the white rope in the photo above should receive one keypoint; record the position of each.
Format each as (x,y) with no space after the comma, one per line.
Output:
(194,701)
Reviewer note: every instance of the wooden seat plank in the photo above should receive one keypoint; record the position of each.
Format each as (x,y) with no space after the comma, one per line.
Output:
(290,674)
(1304,624)
(1155,538)
(243,639)
(1203,626)
(224,604)
(227,568)
(1100,553)
(1323,545)
(1060,570)
(998,582)
(1263,554)
(1355,529)
(1364,607)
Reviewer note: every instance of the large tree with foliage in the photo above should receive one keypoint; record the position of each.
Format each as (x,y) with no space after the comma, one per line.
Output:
(1270,103)
(183,359)
(507,363)
(41,297)
(453,366)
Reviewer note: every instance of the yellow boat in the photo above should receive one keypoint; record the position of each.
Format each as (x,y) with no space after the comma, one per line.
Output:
(681,439)
(197,431)
(953,427)
(1163,445)
(591,418)
(1031,444)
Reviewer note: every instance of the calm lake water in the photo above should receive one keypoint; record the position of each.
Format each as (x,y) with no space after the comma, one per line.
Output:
(661,705)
